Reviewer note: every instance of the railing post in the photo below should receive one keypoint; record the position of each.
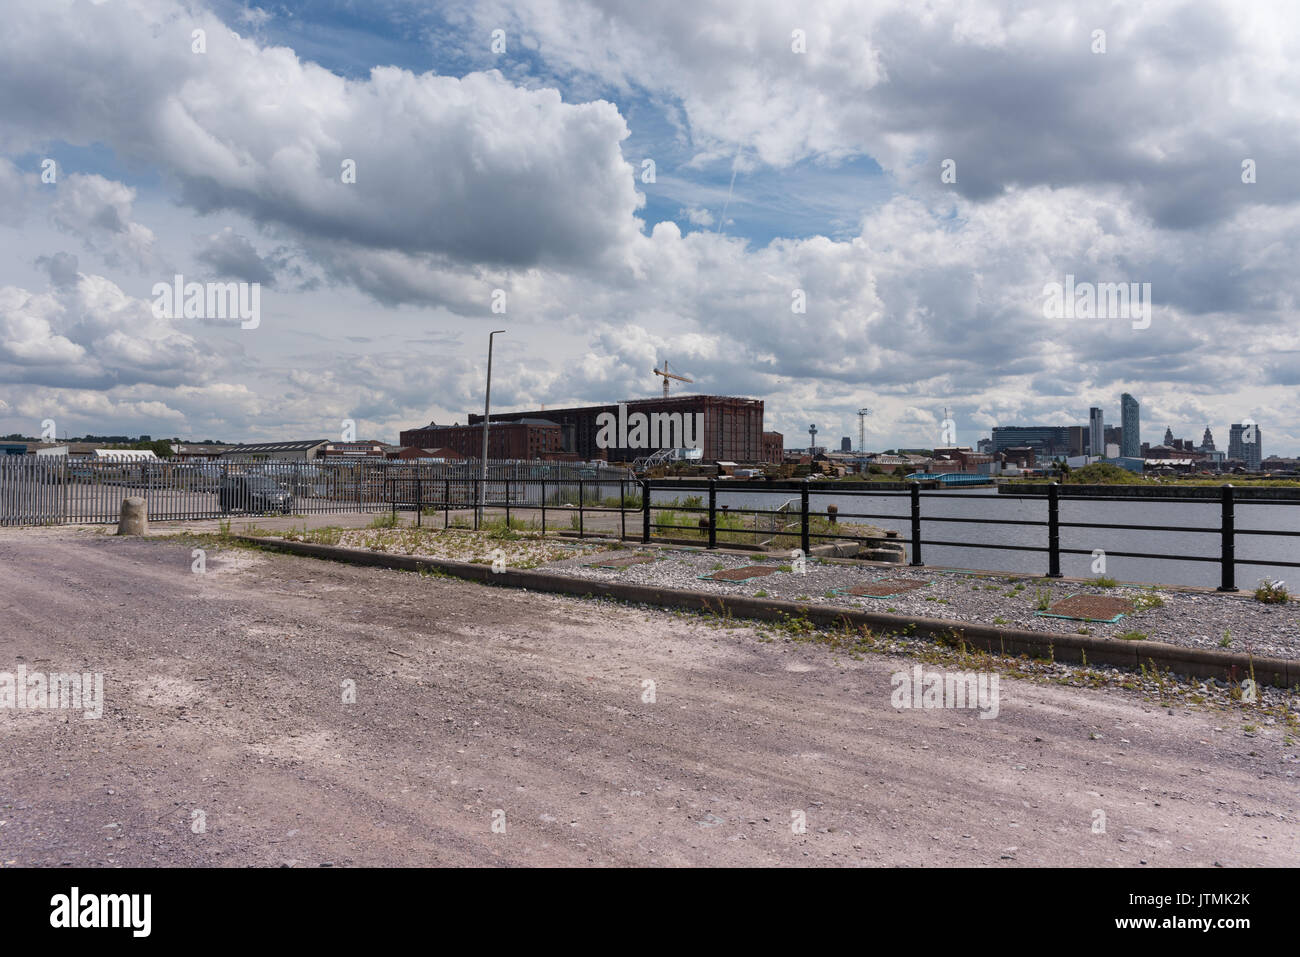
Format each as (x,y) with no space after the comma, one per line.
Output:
(713,513)
(1228,545)
(622,509)
(803,518)
(543,506)
(507,503)
(581,487)
(419,500)
(1053,531)
(477,501)
(645,511)
(446,502)
(916,524)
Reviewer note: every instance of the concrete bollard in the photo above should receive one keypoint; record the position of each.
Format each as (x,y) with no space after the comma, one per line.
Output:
(135,517)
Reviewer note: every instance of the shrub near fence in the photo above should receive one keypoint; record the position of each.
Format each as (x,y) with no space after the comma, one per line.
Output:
(40,490)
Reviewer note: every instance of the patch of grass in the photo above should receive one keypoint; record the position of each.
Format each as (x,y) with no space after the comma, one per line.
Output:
(1105,582)
(385,520)
(1133,636)
(502,530)
(1272,592)
(1149,598)
(1042,599)
(761,593)
(1226,640)
(999,620)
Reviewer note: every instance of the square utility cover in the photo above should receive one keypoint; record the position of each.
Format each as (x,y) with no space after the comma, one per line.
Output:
(1102,608)
(884,588)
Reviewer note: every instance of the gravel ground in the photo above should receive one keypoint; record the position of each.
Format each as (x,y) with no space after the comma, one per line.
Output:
(1194,619)
(473,704)
(521,550)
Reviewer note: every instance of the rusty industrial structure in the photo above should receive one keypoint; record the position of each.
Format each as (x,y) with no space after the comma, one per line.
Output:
(732,432)
(526,438)
(733,427)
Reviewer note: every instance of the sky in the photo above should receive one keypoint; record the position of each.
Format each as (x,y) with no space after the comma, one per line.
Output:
(826,205)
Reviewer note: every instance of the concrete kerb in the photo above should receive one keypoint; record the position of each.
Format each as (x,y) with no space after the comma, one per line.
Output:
(996,639)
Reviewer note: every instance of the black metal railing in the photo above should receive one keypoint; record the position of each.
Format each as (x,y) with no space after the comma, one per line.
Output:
(597,499)
(58,490)
(522,502)
(1226,531)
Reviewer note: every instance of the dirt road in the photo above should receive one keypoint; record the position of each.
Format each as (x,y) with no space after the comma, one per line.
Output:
(225,738)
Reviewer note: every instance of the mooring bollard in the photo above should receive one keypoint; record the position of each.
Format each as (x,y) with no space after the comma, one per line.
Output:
(135,517)
(832,513)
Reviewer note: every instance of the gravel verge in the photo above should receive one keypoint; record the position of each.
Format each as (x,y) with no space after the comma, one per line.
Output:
(1179,617)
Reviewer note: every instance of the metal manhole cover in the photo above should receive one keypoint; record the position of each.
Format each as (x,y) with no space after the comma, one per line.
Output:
(885,588)
(1090,608)
(740,574)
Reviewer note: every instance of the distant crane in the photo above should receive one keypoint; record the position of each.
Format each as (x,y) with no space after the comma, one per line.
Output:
(670,375)
(862,429)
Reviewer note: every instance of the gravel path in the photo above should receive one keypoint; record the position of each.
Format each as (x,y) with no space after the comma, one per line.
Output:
(1194,619)
(475,705)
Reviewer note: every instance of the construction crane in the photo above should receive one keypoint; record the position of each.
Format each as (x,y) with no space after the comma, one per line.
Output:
(862,429)
(670,375)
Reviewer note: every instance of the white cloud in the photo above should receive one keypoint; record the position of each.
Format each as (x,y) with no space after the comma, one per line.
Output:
(90,334)
(474,169)
(696,216)
(98,211)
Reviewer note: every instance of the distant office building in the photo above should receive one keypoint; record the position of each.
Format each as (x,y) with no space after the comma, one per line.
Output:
(1250,453)
(846,444)
(1096,431)
(1114,435)
(1131,440)
(984,446)
(1046,440)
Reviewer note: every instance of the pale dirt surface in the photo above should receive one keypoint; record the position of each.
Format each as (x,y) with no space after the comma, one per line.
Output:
(223,695)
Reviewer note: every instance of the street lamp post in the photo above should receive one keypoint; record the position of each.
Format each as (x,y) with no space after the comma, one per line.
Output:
(487,410)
